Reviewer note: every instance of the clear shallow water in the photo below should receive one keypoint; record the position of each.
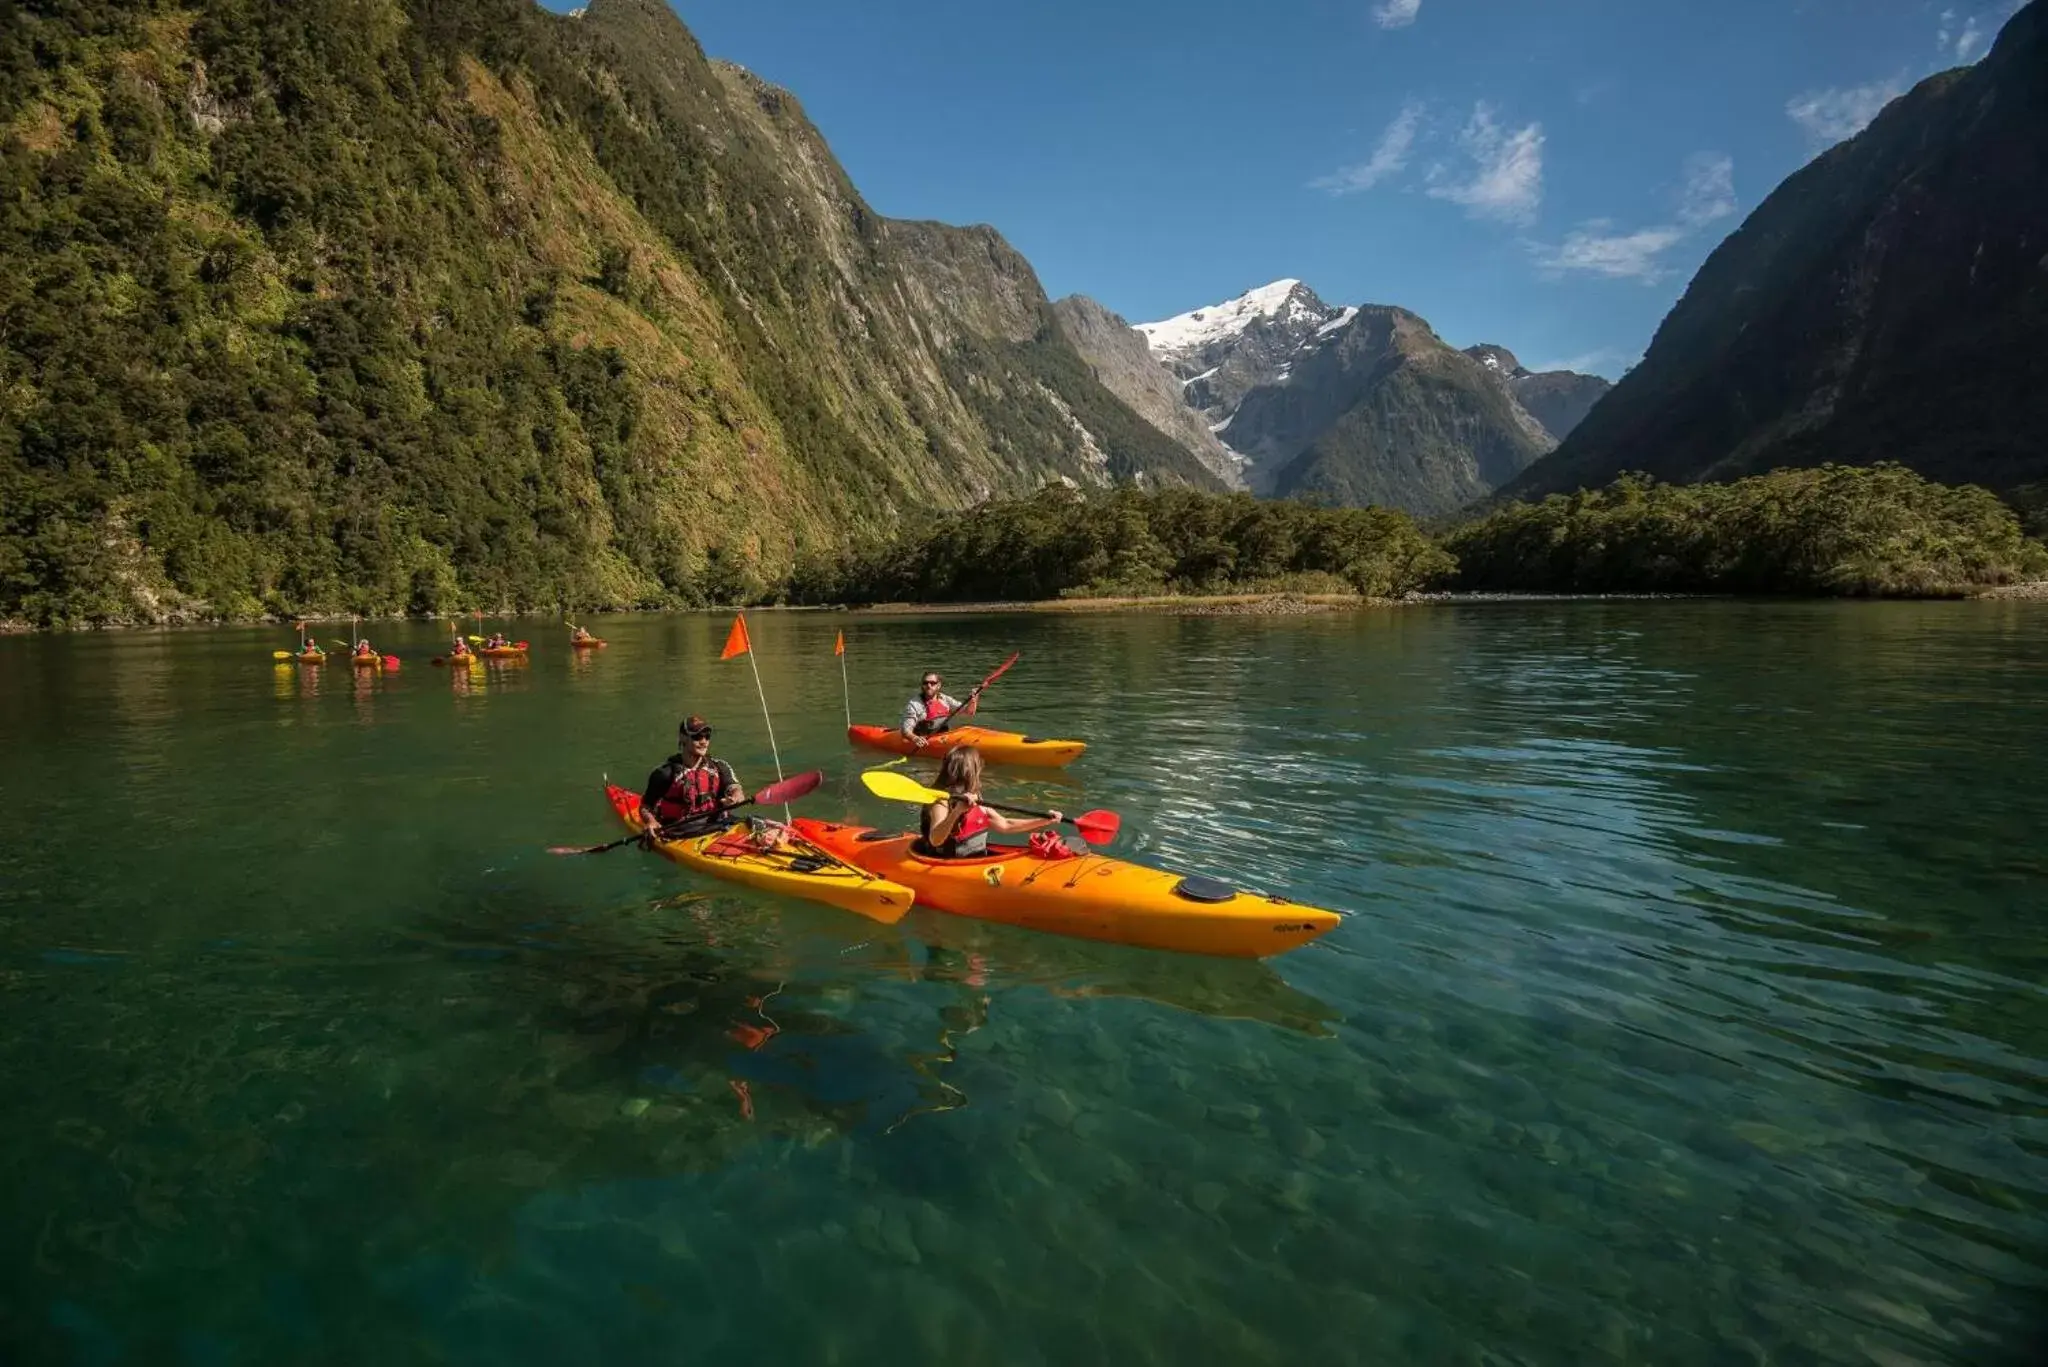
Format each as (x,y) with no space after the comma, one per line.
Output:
(1689,1008)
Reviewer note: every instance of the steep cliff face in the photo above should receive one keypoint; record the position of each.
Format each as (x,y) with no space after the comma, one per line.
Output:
(1887,302)
(1119,357)
(390,304)
(1559,399)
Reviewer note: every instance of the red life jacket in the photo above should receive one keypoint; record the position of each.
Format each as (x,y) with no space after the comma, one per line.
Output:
(936,710)
(969,839)
(693,793)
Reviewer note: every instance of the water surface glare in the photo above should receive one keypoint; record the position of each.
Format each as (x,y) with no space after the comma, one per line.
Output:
(1689,1007)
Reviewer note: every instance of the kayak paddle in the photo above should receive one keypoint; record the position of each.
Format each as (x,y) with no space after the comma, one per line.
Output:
(1097,827)
(946,722)
(788,790)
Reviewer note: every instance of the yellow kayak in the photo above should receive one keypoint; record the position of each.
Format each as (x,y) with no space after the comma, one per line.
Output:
(793,868)
(997,747)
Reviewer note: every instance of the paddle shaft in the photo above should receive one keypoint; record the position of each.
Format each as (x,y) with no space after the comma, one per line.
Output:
(945,723)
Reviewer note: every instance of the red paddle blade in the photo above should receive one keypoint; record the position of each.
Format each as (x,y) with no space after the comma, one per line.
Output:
(1001,670)
(790,789)
(1098,827)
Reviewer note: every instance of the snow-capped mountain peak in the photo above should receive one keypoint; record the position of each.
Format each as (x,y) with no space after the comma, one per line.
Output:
(1283,302)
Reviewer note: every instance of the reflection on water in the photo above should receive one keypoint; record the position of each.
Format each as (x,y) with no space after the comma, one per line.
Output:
(1688,1007)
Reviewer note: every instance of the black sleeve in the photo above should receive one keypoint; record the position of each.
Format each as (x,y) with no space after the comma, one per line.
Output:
(658,784)
(726,778)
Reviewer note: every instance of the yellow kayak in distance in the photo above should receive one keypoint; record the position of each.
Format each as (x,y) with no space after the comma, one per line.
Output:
(793,868)
(997,747)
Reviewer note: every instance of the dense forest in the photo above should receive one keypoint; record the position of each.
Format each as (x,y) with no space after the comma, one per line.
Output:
(1876,531)
(1060,542)
(1838,531)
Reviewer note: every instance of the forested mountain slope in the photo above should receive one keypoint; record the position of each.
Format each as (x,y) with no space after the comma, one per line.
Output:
(415,304)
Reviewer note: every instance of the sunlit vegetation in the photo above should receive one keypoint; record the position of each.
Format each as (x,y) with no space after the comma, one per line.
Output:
(1877,531)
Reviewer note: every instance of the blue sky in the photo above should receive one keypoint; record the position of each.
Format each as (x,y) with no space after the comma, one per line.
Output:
(1545,174)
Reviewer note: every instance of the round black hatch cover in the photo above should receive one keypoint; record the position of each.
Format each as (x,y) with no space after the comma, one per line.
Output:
(1198,889)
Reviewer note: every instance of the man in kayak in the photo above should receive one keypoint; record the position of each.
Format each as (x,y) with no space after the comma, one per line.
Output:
(933,710)
(958,827)
(363,651)
(689,794)
(460,649)
(579,634)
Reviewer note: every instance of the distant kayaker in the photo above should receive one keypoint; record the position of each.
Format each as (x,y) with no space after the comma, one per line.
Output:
(933,710)
(363,650)
(958,827)
(497,642)
(689,794)
(461,647)
(579,634)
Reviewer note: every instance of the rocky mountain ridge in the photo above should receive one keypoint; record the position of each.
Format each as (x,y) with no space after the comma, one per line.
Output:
(1358,402)
(1887,302)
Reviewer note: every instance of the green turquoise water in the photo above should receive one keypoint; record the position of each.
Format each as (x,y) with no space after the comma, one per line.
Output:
(1688,1006)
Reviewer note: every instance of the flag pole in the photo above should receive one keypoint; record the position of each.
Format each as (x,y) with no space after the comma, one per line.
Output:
(845,693)
(738,642)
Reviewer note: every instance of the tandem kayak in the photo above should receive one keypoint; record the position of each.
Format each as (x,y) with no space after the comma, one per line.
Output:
(997,747)
(791,868)
(1086,895)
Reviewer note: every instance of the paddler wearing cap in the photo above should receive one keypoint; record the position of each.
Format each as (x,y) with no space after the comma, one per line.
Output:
(690,793)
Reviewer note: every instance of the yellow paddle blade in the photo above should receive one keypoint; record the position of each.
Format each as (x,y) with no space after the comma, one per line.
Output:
(478,639)
(280,654)
(887,783)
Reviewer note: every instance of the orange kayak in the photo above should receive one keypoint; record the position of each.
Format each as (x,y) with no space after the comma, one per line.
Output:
(997,747)
(1089,896)
(592,644)
(501,652)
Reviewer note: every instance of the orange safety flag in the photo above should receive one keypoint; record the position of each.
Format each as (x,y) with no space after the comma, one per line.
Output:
(839,644)
(736,642)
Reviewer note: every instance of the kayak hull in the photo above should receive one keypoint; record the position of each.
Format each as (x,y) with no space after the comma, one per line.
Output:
(1090,896)
(727,854)
(314,658)
(592,644)
(997,747)
(502,652)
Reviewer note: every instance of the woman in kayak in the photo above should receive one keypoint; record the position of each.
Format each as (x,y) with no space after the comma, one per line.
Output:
(933,709)
(363,651)
(689,794)
(957,827)
(459,649)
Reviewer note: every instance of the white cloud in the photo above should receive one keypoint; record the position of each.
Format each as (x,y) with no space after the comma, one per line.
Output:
(1828,116)
(1709,190)
(1388,158)
(1396,13)
(1505,178)
(1705,196)
(1596,250)
(1971,42)
(1593,362)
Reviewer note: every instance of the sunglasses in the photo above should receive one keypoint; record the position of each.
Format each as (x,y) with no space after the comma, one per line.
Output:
(705,734)
(931,683)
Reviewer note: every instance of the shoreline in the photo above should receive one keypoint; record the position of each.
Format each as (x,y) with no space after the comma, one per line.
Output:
(1276,603)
